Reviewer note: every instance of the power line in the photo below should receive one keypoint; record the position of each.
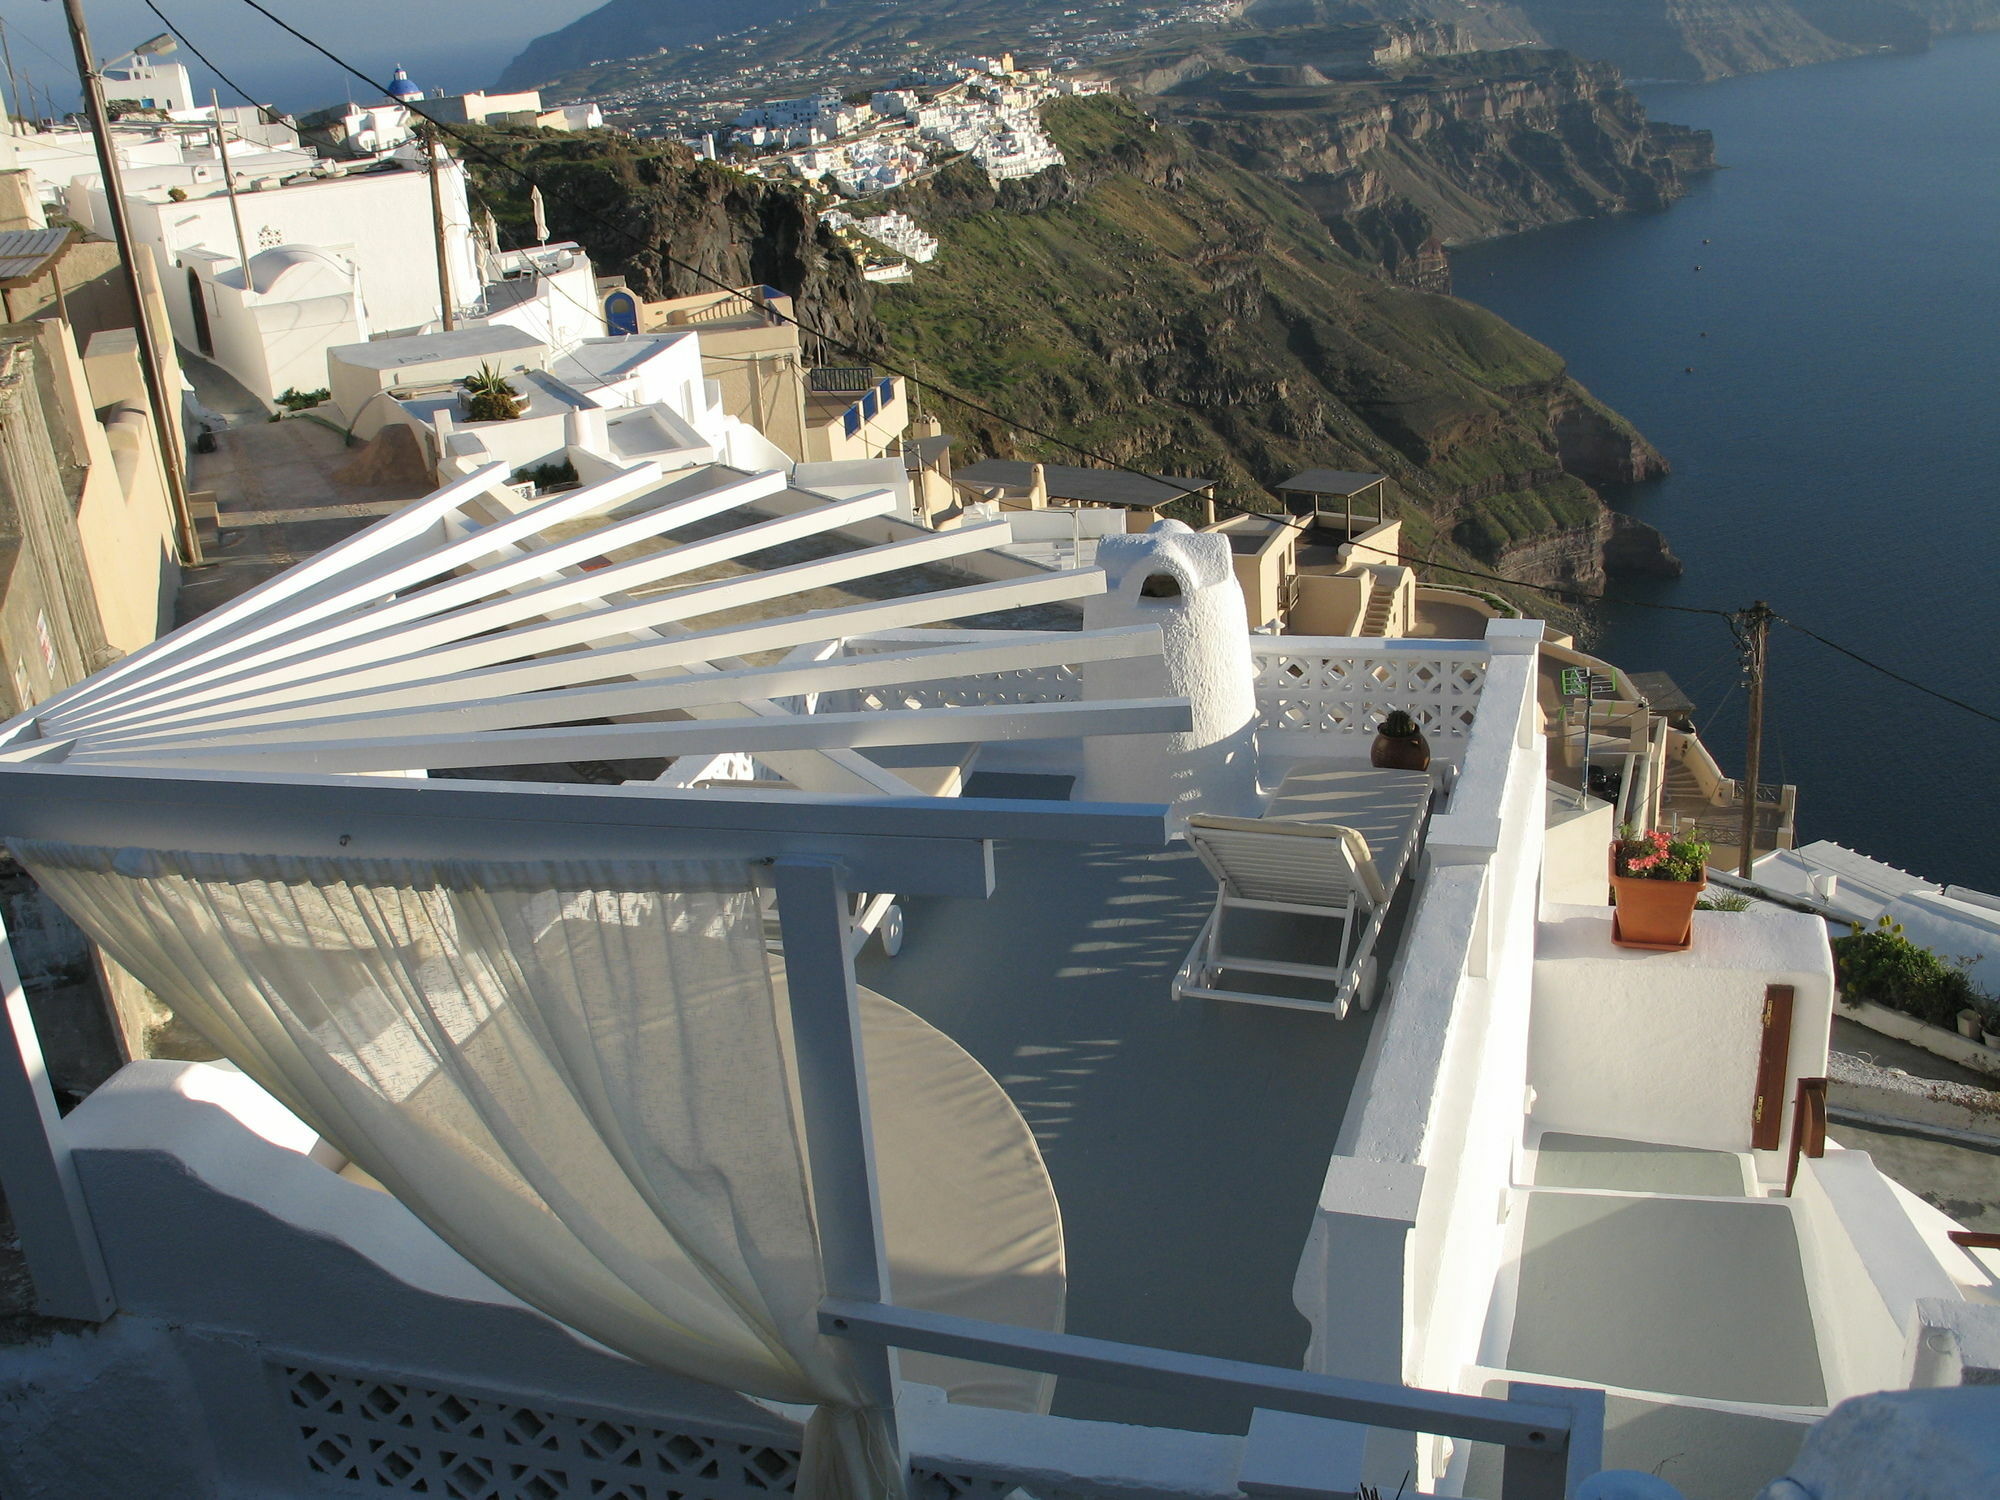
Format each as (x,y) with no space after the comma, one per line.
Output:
(1890,672)
(271,116)
(1279,518)
(936,387)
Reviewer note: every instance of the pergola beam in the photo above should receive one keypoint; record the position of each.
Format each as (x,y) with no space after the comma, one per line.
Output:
(854,731)
(677,694)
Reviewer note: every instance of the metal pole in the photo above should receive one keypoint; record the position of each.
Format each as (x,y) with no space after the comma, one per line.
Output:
(51,1217)
(166,422)
(1755,637)
(437,227)
(833,1099)
(229,186)
(1589,697)
(13,82)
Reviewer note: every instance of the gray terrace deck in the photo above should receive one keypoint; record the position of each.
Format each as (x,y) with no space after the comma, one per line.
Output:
(1187,1142)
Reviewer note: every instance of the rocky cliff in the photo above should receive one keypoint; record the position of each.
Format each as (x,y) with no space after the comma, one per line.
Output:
(1695,39)
(1157,303)
(1173,310)
(639,206)
(1451,149)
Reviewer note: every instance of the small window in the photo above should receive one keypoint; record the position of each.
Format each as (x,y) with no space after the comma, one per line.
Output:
(850,421)
(869,406)
(1160,586)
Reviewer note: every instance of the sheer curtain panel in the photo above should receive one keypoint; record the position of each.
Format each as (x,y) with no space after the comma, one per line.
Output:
(575,1073)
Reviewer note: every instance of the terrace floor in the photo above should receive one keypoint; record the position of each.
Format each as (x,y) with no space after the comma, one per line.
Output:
(1187,1142)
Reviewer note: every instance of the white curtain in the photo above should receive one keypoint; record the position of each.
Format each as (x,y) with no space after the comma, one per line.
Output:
(574,1072)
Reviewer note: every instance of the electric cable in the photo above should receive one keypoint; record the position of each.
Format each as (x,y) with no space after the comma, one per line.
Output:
(938,388)
(1889,672)
(271,116)
(1279,518)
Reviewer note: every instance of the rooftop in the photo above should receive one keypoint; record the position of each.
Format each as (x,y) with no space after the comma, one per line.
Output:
(595,363)
(429,348)
(1330,482)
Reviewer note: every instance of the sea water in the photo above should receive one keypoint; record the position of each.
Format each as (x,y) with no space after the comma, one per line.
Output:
(1812,337)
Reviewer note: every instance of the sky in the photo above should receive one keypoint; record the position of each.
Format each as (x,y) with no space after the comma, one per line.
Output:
(448,45)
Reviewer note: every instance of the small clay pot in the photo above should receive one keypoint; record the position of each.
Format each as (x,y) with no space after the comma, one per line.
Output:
(1409,753)
(1968,1024)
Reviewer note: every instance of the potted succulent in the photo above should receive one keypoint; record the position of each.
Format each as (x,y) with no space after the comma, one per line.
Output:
(1656,880)
(490,396)
(1400,744)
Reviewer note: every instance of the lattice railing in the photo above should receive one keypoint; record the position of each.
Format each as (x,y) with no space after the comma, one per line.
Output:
(1308,690)
(379,1435)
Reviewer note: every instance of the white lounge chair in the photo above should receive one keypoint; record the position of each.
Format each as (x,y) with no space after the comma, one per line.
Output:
(1334,843)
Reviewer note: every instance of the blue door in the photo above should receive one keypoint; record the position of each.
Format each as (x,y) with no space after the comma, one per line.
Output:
(621,312)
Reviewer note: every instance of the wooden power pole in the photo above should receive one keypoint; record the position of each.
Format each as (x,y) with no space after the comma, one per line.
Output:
(1753,639)
(435,153)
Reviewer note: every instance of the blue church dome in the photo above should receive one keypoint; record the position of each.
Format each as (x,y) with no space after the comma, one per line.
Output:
(402,90)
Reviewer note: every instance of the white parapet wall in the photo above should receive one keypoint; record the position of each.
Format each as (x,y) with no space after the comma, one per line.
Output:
(1663,1047)
(1426,1153)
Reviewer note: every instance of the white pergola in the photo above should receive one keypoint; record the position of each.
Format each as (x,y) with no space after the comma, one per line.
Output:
(472,629)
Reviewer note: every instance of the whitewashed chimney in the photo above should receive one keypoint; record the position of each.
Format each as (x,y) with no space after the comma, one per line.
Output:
(1180,580)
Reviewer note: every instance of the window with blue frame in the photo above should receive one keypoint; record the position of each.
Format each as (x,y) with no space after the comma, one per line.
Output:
(850,421)
(888,390)
(868,405)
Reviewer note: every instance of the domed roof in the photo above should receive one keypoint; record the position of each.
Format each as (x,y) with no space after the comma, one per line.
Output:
(299,271)
(401,89)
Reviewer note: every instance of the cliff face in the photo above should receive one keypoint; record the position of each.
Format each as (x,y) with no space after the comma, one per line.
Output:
(1477,145)
(660,202)
(1175,311)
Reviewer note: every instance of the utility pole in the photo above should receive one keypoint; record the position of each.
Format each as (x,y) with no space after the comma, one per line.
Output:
(437,160)
(229,186)
(166,420)
(1753,639)
(13,82)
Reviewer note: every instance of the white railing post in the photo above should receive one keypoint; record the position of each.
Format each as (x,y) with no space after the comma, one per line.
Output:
(51,1218)
(1544,1474)
(833,1101)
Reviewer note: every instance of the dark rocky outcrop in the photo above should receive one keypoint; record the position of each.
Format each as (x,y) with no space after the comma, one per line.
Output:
(1635,549)
(641,206)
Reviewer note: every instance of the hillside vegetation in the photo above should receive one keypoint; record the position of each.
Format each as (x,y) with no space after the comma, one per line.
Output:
(1157,304)
(1162,306)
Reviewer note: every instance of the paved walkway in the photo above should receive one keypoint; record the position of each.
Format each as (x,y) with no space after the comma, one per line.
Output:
(277,503)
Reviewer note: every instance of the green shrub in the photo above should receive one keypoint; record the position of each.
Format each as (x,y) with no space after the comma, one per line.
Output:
(1882,965)
(494,398)
(293,399)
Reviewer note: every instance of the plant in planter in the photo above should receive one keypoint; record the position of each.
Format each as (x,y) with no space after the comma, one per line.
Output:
(1880,964)
(1400,744)
(1656,880)
(491,396)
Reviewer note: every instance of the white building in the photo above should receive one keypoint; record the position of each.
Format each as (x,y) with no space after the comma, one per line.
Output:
(549,292)
(653,975)
(1531,1193)
(476,108)
(375,220)
(148,84)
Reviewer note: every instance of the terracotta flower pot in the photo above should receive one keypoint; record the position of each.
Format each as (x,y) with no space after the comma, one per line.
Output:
(1654,913)
(1409,753)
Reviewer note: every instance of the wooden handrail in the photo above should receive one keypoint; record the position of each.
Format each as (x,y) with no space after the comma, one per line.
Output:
(1808,1126)
(1974,1239)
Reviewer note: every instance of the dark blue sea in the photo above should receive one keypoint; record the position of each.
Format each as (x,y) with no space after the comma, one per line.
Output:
(1812,337)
